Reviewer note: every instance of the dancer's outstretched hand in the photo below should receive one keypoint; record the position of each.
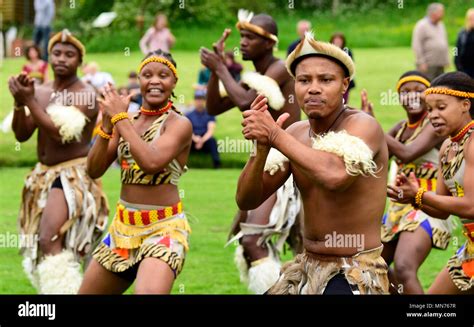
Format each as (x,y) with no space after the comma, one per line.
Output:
(211,60)
(113,103)
(405,189)
(365,105)
(219,46)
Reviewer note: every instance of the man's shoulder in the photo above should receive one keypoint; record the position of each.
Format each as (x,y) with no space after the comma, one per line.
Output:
(358,116)
(361,120)
(295,42)
(277,67)
(421,24)
(462,33)
(85,87)
(293,45)
(278,72)
(296,127)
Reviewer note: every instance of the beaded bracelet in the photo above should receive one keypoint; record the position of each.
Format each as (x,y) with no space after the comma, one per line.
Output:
(103,134)
(419,198)
(119,116)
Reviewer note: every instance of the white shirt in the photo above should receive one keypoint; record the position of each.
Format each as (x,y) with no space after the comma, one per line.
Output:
(44,12)
(98,80)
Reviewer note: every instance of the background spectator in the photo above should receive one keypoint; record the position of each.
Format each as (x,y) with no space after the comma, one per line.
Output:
(302,27)
(158,36)
(203,78)
(134,88)
(35,67)
(44,14)
(464,56)
(339,39)
(95,77)
(203,128)
(234,67)
(430,42)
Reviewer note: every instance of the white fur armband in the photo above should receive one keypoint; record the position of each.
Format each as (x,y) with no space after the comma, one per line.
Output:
(357,156)
(275,161)
(262,84)
(69,120)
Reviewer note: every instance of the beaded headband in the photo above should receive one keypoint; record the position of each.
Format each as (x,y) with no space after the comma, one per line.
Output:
(161,60)
(446,91)
(412,78)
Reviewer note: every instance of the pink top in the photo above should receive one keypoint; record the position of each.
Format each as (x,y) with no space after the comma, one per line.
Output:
(37,74)
(154,40)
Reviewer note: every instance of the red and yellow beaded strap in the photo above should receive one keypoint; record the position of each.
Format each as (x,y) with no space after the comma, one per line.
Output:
(428,184)
(413,78)
(147,217)
(462,132)
(446,91)
(161,60)
(158,112)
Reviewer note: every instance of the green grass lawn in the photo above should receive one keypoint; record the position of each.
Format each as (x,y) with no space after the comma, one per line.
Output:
(209,203)
(208,197)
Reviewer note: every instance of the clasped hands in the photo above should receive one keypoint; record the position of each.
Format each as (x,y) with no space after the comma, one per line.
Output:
(259,125)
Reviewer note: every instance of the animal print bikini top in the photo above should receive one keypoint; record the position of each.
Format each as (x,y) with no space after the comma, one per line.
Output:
(425,167)
(453,170)
(131,173)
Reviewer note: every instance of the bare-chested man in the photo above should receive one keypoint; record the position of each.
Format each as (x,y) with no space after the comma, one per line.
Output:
(339,162)
(263,231)
(63,211)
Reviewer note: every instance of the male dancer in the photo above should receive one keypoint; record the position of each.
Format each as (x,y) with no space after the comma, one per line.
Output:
(262,232)
(337,157)
(63,211)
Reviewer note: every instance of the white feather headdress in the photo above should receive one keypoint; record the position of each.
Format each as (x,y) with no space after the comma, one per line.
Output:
(244,15)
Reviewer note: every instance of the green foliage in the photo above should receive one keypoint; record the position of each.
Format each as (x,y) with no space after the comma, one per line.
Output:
(366,23)
(196,23)
(71,14)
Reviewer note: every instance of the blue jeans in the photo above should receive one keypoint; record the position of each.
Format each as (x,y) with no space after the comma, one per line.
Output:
(41,38)
(210,146)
